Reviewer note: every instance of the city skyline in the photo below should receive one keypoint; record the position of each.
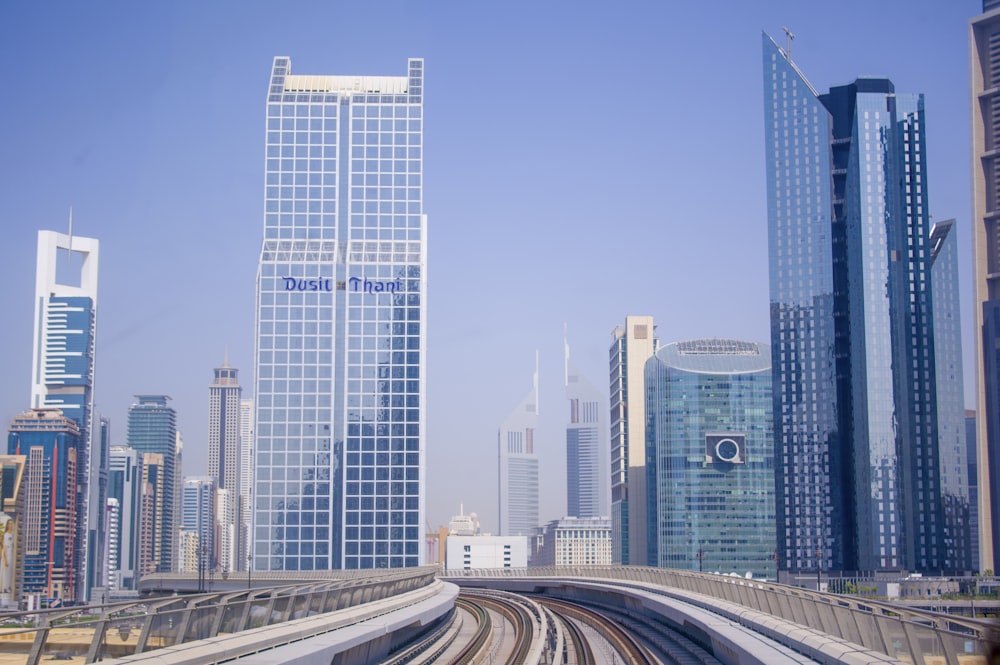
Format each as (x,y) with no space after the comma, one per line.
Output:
(103,153)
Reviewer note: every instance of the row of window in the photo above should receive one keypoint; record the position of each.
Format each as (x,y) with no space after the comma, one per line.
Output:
(370,106)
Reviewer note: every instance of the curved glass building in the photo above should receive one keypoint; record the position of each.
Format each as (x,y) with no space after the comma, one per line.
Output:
(710,457)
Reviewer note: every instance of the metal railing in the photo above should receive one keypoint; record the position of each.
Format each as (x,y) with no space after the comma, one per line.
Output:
(914,636)
(93,633)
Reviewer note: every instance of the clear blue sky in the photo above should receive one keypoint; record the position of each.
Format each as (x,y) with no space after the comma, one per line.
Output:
(584,161)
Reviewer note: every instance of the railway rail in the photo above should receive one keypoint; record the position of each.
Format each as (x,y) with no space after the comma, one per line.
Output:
(515,611)
(629,649)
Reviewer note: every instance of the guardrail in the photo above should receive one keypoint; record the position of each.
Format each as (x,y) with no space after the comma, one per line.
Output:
(913,636)
(95,633)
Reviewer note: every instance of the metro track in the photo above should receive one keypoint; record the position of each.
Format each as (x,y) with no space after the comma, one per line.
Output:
(630,649)
(479,631)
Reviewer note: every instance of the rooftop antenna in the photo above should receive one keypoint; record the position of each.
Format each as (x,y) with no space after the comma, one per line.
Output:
(789,36)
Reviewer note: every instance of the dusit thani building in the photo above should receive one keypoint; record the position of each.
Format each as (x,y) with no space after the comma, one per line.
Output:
(340,336)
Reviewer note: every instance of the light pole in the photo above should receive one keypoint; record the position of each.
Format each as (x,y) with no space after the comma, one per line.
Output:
(819,566)
(701,559)
(201,568)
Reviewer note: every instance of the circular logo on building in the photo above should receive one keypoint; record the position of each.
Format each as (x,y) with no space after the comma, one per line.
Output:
(727,450)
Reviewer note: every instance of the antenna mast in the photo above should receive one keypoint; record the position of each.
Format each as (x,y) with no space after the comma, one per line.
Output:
(789,36)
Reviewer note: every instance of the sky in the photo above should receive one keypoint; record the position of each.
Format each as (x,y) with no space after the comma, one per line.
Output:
(583,161)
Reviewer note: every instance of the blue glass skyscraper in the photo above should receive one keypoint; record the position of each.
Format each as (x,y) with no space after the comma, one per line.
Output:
(710,457)
(340,324)
(48,523)
(152,429)
(851,325)
(952,428)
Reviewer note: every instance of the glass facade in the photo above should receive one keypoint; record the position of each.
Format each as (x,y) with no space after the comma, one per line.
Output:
(152,430)
(710,457)
(340,336)
(48,523)
(952,429)
(811,483)
(125,489)
(855,382)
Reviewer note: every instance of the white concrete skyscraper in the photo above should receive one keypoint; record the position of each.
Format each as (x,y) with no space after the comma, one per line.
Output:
(519,466)
(340,325)
(246,474)
(224,463)
(62,371)
(634,343)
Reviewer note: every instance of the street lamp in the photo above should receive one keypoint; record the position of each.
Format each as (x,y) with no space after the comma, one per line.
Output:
(201,568)
(819,566)
(701,560)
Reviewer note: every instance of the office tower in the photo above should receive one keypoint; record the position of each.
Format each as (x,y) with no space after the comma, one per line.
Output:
(973,481)
(113,542)
(588,481)
(125,489)
(246,478)
(152,429)
(52,444)
(340,325)
(198,526)
(575,541)
(633,344)
(12,511)
(710,457)
(485,552)
(62,373)
(154,500)
(984,37)
(464,525)
(950,388)
(851,325)
(227,531)
(224,459)
(97,540)
(518,466)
